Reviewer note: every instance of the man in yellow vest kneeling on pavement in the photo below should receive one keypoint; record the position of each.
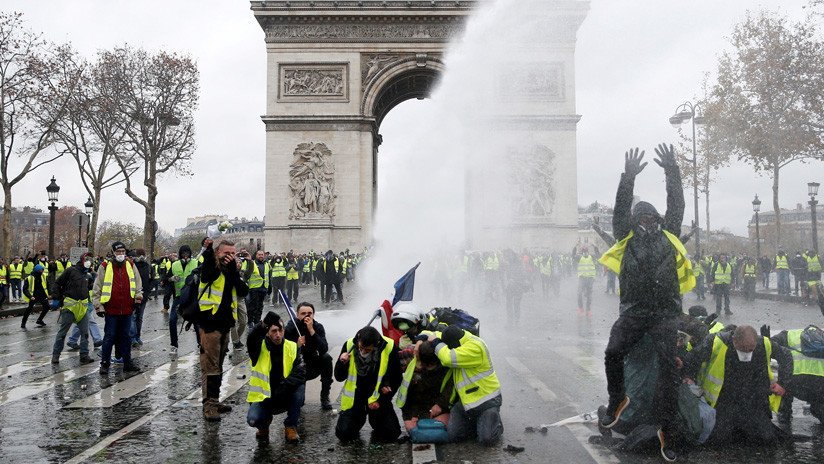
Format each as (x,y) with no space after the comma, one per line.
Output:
(278,379)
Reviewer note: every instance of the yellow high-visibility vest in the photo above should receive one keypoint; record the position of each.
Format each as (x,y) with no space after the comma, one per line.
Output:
(686,279)
(256,280)
(16,271)
(476,384)
(30,280)
(723,274)
(260,386)
(403,390)
(210,298)
(714,375)
(781,262)
(108,278)
(347,400)
(586,267)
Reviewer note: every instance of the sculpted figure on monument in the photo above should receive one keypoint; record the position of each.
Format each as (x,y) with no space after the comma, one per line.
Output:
(312,183)
(303,82)
(533,172)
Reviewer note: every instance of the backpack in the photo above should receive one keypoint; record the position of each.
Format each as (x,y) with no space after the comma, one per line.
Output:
(457,317)
(812,342)
(189,306)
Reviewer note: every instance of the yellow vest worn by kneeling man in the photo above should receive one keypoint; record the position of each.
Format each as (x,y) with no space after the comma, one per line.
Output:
(260,386)
(475,379)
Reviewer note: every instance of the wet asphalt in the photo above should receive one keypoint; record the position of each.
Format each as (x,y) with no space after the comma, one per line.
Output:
(550,366)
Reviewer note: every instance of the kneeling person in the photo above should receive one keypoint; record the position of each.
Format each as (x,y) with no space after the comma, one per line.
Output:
(369,365)
(313,348)
(277,383)
(426,389)
(478,413)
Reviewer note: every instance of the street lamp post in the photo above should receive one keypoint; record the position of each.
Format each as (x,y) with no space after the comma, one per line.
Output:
(685,112)
(756,206)
(89,211)
(813,191)
(52,189)
(79,229)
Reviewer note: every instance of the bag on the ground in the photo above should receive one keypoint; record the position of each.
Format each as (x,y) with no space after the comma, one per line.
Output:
(189,306)
(429,431)
(812,342)
(456,317)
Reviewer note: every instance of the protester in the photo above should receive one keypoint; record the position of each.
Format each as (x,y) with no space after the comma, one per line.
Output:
(71,293)
(36,290)
(314,349)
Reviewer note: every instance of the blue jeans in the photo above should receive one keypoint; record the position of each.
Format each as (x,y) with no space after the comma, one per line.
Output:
(260,414)
(117,331)
(64,322)
(137,322)
(173,321)
(94,329)
(783,281)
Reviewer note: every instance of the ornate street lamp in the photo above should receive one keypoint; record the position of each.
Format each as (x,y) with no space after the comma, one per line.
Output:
(89,211)
(813,191)
(686,112)
(52,189)
(756,206)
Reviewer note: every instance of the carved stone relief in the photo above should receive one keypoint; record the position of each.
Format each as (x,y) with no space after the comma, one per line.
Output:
(321,82)
(542,81)
(312,183)
(531,180)
(383,31)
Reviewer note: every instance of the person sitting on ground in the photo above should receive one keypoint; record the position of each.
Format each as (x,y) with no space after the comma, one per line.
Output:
(278,379)
(426,389)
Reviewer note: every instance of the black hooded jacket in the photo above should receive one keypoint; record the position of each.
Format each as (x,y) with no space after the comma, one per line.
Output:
(648,277)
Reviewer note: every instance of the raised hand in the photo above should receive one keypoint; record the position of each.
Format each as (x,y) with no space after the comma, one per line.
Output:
(666,156)
(632,162)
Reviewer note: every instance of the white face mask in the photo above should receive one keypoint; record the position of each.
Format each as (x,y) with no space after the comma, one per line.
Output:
(120,258)
(744,356)
(87,264)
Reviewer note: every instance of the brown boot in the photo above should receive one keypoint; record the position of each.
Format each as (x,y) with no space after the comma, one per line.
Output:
(262,435)
(292,435)
(223,408)
(210,412)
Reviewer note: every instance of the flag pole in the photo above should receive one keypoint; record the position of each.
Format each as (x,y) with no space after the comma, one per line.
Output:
(289,311)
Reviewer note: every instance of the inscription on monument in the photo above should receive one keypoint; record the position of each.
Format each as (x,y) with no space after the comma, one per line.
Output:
(316,82)
(312,184)
(543,81)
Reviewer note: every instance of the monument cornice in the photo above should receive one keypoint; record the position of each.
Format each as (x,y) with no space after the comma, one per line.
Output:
(361,29)
(318,123)
(267,6)
(535,122)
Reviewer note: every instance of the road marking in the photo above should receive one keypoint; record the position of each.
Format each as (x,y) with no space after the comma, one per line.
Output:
(540,388)
(230,385)
(120,391)
(423,453)
(34,388)
(600,455)
(24,366)
(29,340)
(227,389)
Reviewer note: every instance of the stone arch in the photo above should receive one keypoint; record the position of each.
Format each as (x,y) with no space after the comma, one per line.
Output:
(404,79)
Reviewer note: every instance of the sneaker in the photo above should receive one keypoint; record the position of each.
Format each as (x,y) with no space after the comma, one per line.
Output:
(117,360)
(610,419)
(86,359)
(104,368)
(666,452)
(55,359)
(173,352)
(73,346)
(40,324)
(98,343)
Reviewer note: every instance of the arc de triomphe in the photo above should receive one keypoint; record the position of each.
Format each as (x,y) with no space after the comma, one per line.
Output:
(336,68)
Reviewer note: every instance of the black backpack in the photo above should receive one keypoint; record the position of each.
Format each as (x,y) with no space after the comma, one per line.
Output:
(189,306)
(457,317)
(812,342)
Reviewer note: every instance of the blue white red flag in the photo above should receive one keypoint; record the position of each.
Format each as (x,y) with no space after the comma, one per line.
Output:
(405,286)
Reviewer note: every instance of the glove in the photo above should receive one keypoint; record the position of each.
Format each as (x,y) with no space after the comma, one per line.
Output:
(175,279)
(55,304)
(765,331)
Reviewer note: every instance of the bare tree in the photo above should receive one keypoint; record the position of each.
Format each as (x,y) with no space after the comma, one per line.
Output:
(35,85)
(92,133)
(158,95)
(764,106)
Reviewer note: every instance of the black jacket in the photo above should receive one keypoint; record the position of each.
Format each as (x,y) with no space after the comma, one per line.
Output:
(365,385)
(281,387)
(223,320)
(649,277)
(316,346)
(328,273)
(145,270)
(75,282)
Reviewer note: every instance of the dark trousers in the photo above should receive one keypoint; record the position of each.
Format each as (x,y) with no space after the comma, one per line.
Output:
(327,291)
(722,291)
(43,302)
(585,292)
(625,333)
(384,421)
(482,423)
(260,414)
(321,367)
(116,332)
(16,292)
(254,305)
(168,293)
(3,293)
(292,290)
(137,320)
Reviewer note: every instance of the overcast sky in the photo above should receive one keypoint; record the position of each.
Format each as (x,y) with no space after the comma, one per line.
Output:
(636,61)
